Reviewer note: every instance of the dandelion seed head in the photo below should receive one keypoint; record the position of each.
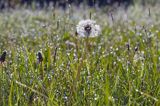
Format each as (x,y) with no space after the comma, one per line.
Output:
(88,28)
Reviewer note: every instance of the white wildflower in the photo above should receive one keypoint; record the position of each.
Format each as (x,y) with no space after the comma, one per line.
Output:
(88,28)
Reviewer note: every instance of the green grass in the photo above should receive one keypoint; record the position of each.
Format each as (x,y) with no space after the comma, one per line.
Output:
(108,71)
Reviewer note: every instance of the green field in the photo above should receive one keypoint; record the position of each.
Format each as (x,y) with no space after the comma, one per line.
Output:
(118,68)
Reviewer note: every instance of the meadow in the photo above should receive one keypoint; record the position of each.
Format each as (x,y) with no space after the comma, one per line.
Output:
(119,67)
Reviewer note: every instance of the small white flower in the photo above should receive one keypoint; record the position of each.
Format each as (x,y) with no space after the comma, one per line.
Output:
(88,28)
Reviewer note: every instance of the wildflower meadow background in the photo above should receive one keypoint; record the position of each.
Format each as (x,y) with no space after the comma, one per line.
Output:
(47,63)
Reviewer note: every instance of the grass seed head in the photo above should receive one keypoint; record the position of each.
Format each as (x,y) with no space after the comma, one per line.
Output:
(3,56)
(128,46)
(136,49)
(39,57)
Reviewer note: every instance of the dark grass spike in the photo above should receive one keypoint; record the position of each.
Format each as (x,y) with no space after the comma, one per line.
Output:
(55,54)
(39,57)
(76,33)
(58,24)
(128,46)
(3,56)
(149,12)
(136,48)
(112,18)
(135,29)
(31,98)
(90,15)
(54,15)
(40,61)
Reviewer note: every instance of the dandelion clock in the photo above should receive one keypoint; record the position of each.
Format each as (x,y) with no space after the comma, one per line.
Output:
(88,28)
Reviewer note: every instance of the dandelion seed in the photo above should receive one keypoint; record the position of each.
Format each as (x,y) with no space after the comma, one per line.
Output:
(3,57)
(88,28)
